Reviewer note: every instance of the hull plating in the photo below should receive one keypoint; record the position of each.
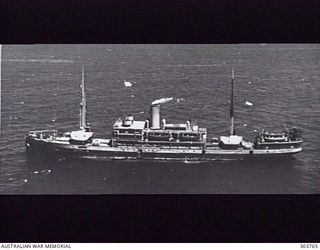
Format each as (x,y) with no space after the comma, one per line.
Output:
(153,153)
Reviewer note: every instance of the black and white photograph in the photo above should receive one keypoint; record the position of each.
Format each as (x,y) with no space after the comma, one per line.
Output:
(160,119)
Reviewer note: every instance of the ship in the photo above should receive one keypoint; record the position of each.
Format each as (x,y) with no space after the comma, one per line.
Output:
(154,139)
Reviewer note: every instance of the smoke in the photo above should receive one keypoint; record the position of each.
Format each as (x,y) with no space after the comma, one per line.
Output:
(162,100)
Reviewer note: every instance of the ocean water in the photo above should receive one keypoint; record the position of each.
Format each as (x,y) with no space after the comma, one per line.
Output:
(40,90)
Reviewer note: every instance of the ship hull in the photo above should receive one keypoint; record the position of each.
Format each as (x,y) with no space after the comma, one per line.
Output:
(152,153)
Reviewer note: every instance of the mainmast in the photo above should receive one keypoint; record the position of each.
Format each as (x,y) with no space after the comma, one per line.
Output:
(0,85)
(231,106)
(83,105)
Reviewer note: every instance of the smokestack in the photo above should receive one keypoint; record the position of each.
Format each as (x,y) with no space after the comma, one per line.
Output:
(155,116)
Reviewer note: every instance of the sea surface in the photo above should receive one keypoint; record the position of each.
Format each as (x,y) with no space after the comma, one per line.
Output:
(40,90)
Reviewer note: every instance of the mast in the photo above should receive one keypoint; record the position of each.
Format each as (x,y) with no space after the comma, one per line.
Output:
(83,105)
(231,106)
(0,85)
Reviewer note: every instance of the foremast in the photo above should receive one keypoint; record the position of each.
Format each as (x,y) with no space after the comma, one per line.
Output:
(0,85)
(232,131)
(83,104)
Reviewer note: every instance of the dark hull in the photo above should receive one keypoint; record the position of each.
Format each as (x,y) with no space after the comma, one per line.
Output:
(153,153)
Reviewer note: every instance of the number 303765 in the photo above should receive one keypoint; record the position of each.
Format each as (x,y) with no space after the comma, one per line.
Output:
(308,245)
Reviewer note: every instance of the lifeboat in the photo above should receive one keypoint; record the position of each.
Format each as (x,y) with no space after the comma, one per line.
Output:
(274,137)
(158,136)
(189,136)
